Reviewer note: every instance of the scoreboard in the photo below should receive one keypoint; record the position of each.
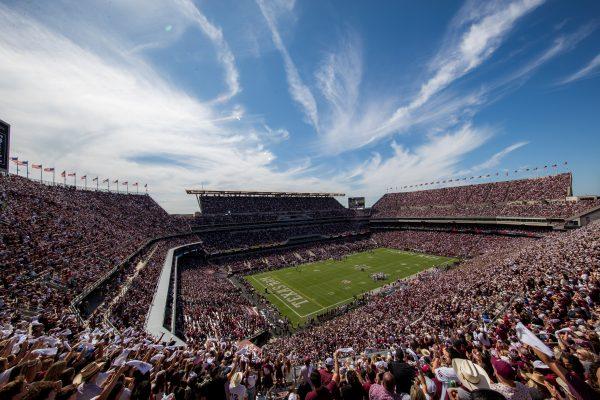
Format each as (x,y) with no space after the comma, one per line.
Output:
(356,203)
(4,145)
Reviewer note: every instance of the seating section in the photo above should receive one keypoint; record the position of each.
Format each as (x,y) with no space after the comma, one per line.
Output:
(266,204)
(431,329)
(537,197)
(68,238)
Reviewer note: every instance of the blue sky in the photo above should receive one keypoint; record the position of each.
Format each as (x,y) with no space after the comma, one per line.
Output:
(307,95)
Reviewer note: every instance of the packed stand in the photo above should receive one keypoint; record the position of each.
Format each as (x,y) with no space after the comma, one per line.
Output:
(216,241)
(536,197)
(212,306)
(285,257)
(266,204)
(518,325)
(67,238)
(130,308)
(456,244)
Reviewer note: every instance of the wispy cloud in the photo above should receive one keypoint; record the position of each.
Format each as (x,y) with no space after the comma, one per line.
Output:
(561,44)
(494,160)
(477,32)
(590,70)
(298,90)
(225,56)
(440,155)
(77,110)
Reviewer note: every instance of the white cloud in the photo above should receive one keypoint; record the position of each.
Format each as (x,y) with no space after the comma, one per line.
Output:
(298,90)
(494,160)
(439,156)
(73,109)
(477,33)
(590,70)
(225,55)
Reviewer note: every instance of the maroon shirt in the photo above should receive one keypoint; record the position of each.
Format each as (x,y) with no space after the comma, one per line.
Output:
(323,393)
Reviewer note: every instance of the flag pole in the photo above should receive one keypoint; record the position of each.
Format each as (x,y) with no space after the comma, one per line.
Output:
(53,175)
(27,165)
(41,171)
(75,179)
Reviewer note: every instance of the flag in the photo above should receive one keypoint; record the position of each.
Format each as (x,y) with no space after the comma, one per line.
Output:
(95,179)
(22,163)
(124,183)
(135,184)
(117,181)
(63,174)
(545,166)
(565,163)
(146,185)
(14,159)
(554,165)
(48,169)
(36,166)
(84,177)
(71,174)
(104,181)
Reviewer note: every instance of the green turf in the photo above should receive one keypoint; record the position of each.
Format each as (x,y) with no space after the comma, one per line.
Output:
(308,290)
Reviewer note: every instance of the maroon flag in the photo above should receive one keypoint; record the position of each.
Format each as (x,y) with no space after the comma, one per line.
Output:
(71,174)
(36,166)
(48,169)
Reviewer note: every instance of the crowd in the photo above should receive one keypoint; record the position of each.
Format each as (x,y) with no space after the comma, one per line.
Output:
(212,306)
(538,197)
(266,204)
(130,309)
(517,320)
(522,324)
(203,220)
(285,257)
(67,238)
(217,241)
(456,244)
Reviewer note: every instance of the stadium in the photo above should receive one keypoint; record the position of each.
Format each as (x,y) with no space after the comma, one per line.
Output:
(468,286)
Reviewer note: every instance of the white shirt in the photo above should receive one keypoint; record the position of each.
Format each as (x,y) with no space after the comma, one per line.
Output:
(238,392)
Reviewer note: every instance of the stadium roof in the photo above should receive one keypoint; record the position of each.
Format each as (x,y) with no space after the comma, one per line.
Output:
(236,193)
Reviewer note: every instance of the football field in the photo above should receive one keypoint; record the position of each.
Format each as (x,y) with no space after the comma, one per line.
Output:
(305,291)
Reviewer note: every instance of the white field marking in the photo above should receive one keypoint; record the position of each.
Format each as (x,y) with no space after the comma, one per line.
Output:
(311,299)
(280,299)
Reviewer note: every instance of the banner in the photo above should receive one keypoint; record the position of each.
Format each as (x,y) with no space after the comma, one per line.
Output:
(4,145)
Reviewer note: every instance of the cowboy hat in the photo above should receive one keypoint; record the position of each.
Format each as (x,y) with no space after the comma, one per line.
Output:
(87,372)
(536,377)
(471,375)
(236,379)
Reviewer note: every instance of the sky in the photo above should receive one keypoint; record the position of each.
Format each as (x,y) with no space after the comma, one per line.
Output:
(338,96)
